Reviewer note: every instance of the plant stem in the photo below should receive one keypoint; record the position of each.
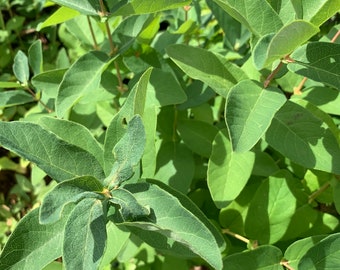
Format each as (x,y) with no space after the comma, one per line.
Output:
(39,100)
(272,75)
(315,194)
(286,265)
(297,90)
(95,44)
(237,236)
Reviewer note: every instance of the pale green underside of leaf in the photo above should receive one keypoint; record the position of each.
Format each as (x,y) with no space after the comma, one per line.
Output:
(85,235)
(56,157)
(81,78)
(249,110)
(305,139)
(35,57)
(206,66)
(173,220)
(228,171)
(319,61)
(275,46)
(20,67)
(32,246)
(263,257)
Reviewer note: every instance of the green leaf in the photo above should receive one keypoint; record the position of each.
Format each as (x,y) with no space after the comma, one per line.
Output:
(197,135)
(171,224)
(175,166)
(69,191)
(63,14)
(316,12)
(302,137)
(15,97)
(56,157)
(228,171)
(206,66)
(258,16)
(83,77)
(164,89)
(128,152)
(75,134)
(299,248)
(134,104)
(323,255)
(85,235)
(147,6)
(20,67)
(86,7)
(130,209)
(249,111)
(35,57)
(272,208)
(32,245)
(263,257)
(272,47)
(319,61)
(10,85)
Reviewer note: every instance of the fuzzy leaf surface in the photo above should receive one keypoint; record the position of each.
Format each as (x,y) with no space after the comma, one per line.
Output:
(57,158)
(172,225)
(85,235)
(69,191)
(249,111)
(26,248)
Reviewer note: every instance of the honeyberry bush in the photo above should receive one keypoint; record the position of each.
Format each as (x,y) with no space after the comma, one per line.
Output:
(177,133)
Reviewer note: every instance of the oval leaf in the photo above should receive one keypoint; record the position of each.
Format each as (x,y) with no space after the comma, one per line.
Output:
(228,171)
(305,139)
(274,47)
(57,158)
(21,68)
(249,111)
(172,220)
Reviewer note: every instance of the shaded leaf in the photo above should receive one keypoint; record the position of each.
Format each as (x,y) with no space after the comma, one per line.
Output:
(206,66)
(32,245)
(249,111)
(304,138)
(323,255)
(56,157)
(263,257)
(35,57)
(130,209)
(275,46)
(228,171)
(85,235)
(15,97)
(197,135)
(69,191)
(319,61)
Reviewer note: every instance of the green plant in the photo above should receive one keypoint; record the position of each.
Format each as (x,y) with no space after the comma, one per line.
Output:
(245,149)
